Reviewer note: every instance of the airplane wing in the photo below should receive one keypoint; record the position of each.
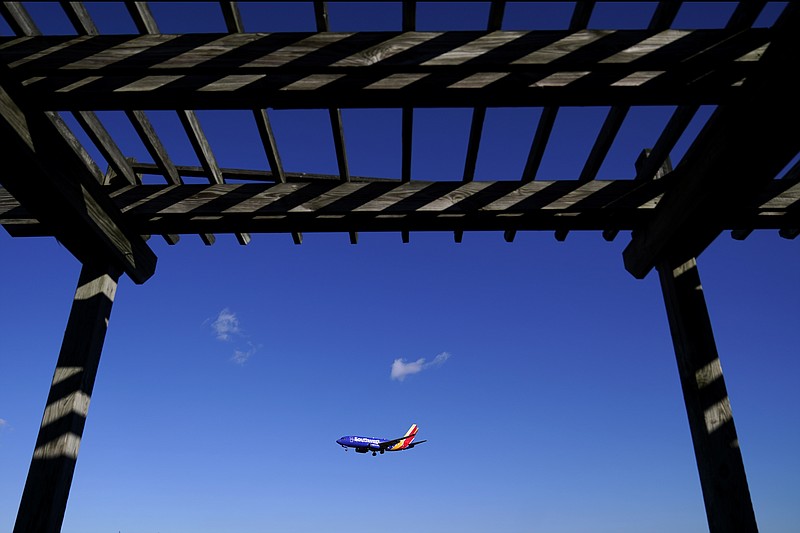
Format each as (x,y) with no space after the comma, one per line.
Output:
(390,443)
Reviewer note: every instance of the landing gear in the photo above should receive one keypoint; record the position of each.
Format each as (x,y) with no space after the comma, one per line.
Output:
(373,454)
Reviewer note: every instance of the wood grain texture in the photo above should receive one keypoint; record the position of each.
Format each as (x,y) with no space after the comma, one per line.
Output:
(47,487)
(62,191)
(368,206)
(386,69)
(716,445)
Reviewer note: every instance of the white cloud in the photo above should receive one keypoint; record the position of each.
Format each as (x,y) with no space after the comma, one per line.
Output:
(226,329)
(401,369)
(3,423)
(240,357)
(439,359)
(225,325)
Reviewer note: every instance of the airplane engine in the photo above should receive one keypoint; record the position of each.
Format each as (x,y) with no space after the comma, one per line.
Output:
(361,450)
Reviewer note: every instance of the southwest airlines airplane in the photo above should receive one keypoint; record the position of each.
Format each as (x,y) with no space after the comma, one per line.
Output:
(375,445)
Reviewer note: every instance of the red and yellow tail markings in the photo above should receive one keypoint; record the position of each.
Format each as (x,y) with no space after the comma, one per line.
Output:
(409,437)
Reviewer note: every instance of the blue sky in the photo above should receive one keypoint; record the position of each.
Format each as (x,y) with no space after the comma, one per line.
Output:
(548,393)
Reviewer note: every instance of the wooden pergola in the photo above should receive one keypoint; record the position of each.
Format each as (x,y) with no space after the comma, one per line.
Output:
(736,176)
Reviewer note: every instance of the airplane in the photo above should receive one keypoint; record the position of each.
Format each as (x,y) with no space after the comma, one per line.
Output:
(375,445)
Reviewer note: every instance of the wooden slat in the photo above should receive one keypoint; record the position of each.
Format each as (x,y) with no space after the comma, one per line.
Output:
(406,141)
(337,129)
(662,19)
(271,150)
(80,18)
(479,113)
(18,18)
(233,20)
(82,22)
(603,142)
(106,145)
(386,69)
(84,25)
(540,139)
(256,175)
(142,17)
(338,144)
(199,142)
(202,149)
(270,146)
(579,20)
(541,205)
(409,15)
(234,24)
(146,24)
(407,126)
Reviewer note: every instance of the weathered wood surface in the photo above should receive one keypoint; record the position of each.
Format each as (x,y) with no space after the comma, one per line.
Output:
(47,487)
(384,69)
(326,205)
(63,192)
(740,150)
(726,495)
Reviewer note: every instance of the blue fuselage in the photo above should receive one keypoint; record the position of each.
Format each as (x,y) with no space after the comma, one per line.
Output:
(364,443)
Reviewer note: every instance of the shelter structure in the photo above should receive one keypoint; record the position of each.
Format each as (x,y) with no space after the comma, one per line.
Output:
(736,176)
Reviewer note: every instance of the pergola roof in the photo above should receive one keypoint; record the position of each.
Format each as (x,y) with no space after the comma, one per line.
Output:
(736,174)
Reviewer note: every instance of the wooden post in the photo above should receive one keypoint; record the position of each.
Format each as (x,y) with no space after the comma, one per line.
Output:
(716,447)
(44,498)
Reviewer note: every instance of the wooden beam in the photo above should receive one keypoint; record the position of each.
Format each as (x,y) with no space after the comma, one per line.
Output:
(579,20)
(494,23)
(337,129)
(716,446)
(257,175)
(82,22)
(18,19)
(44,498)
(233,20)
(662,19)
(654,164)
(384,69)
(643,164)
(715,176)
(603,142)
(106,145)
(409,15)
(407,127)
(80,18)
(326,205)
(540,138)
(142,17)
(53,182)
(146,24)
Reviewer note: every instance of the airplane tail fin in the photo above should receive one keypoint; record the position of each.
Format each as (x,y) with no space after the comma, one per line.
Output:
(408,438)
